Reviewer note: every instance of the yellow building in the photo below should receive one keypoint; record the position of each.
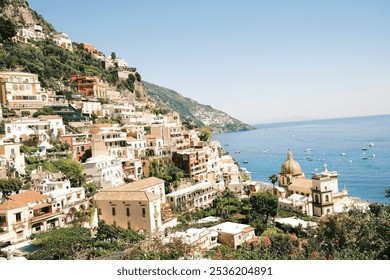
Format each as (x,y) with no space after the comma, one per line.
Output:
(20,90)
(317,196)
(138,206)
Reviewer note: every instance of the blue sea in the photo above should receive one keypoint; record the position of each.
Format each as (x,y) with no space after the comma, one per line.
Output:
(357,148)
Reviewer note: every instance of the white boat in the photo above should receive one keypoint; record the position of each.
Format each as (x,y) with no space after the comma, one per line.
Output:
(245,161)
(371,144)
(237,152)
(343,154)
(266,151)
(373,155)
(364,156)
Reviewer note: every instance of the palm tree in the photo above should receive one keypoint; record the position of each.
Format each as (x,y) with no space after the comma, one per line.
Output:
(273,178)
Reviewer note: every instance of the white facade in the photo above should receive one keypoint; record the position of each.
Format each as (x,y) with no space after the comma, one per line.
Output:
(193,197)
(105,171)
(47,127)
(62,40)
(31,212)
(91,107)
(234,234)
(201,239)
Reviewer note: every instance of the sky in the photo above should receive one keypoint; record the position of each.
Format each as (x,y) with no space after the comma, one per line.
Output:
(259,61)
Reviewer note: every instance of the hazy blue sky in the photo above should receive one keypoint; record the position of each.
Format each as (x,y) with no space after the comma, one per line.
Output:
(259,61)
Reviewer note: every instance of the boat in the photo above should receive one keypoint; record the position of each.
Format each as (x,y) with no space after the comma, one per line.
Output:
(343,154)
(350,161)
(373,155)
(266,151)
(237,152)
(308,150)
(371,144)
(245,161)
(226,144)
(364,149)
(364,156)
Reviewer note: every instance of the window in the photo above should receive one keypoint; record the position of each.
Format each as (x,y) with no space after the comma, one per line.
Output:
(18,217)
(99,211)
(113,211)
(128,225)
(12,151)
(327,198)
(143,212)
(127,211)
(8,130)
(78,149)
(82,148)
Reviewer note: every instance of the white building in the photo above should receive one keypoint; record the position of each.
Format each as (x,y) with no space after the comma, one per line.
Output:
(194,197)
(62,40)
(44,128)
(234,234)
(105,171)
(31,212)
(91,107)
(200,239)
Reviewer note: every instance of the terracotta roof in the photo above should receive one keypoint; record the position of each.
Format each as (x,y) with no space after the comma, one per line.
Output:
(138,185)
(10,204)
(27,197)
(248,229)
(125,196)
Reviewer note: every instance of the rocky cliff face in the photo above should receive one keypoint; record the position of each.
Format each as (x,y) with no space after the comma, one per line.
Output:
(20,14)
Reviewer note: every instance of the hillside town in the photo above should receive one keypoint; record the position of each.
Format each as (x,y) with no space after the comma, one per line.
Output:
(118,156)
(102,156)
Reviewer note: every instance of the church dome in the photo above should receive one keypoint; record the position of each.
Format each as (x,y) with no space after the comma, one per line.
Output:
(290,166)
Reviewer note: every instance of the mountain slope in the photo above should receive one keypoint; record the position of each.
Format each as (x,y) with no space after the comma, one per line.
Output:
(192,111)
(55,66)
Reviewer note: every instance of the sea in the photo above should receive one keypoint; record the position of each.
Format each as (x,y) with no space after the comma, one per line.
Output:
(357,148)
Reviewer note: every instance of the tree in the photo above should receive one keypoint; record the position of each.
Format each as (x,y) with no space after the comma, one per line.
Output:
(114,233)
(388,193)
(113,55)
(354,235)
(156,249)
(72,169)
(62,244)
(7,29)
(205,134)
(263,205)
(273,178)
(9,186)
(87,154)
(44,111)
(226,205)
